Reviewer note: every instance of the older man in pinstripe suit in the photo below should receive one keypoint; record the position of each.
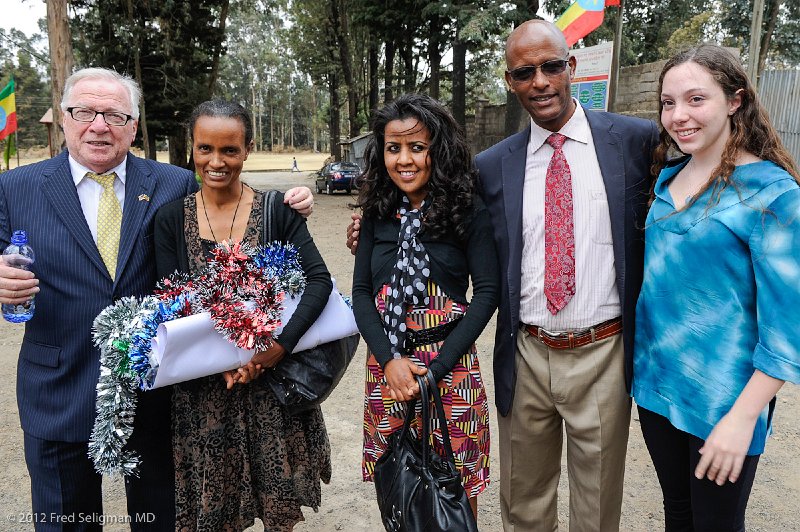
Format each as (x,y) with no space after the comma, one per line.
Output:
(59,203)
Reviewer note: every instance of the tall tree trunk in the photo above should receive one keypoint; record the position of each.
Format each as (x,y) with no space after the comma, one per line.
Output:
(340,25)
(253,104)
(525,10)
(151,143)
(291,122)
(459,80)
(435,54)
(333,89)
(374,59)
(259,124)
(61,62)
(271,127)
(313,123)
(178,155)
(212,77)
(135,30)
(409,72)
(513,114)
(766,38)
(388,94)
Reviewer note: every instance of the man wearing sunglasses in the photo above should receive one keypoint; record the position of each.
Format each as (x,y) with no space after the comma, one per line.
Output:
(568,198)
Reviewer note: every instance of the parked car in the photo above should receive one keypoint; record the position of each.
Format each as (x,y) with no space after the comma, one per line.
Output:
(337,176)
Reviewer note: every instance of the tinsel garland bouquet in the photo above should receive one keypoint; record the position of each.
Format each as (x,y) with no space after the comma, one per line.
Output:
(214,321)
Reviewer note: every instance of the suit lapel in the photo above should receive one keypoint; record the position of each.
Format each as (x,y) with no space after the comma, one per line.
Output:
(59,188)
(608,147)
(513,181)
(139,186)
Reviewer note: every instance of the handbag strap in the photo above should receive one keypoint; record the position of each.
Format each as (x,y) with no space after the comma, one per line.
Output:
(428,389)
(410,408)
(266,228)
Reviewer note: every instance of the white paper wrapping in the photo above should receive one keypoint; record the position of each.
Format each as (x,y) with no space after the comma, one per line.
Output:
(336,321)
(190,348)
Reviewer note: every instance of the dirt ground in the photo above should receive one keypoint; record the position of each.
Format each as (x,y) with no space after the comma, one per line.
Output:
(347,503)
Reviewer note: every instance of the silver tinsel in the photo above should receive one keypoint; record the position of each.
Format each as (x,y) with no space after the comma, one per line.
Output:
(116,388)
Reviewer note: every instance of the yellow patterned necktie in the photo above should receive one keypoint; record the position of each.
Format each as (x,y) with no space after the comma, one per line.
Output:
(109,221)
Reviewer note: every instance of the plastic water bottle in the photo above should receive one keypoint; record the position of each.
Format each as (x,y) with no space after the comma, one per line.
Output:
(19,255)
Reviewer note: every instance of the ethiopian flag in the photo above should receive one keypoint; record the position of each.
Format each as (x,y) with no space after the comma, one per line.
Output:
(581,18)
(8,111)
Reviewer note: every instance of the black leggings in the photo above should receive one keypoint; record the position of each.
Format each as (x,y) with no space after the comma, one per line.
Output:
(692,505)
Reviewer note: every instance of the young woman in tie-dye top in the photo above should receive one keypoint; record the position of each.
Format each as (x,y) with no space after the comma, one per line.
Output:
(717,318)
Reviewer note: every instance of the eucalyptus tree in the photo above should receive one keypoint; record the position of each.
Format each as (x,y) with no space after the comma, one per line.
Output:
(780,32)
(177,45)
(316,50)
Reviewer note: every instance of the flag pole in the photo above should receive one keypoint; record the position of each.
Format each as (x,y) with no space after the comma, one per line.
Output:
(615,59)
(16,145)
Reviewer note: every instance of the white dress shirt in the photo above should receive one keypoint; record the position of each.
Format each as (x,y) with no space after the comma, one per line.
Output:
(596,298)
(89,191)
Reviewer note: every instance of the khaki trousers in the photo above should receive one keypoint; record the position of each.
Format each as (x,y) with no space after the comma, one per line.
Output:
(583,390)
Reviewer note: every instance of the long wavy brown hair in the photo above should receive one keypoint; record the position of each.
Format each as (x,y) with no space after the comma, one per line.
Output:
(751,129)
(453,176)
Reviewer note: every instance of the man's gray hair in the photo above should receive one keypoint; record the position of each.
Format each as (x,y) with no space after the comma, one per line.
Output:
(127,82)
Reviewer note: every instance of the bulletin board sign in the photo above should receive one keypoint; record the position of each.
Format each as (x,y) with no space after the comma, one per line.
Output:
(592,75)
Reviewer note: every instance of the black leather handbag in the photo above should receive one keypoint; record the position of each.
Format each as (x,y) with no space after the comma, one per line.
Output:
(303,380)
(418,490)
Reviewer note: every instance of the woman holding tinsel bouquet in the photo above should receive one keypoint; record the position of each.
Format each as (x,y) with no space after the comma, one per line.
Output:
(238,454)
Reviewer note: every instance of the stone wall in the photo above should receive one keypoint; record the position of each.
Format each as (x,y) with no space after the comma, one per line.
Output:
(637,93)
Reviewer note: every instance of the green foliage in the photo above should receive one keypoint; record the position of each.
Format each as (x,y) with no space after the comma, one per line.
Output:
(32,89)
(784,46)
(299,65)
(177,41)
(695,30)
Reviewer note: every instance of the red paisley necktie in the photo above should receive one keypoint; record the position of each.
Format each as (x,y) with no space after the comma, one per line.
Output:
(559,235)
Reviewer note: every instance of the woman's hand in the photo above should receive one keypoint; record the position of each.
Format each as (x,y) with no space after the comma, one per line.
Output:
(301,200)
(400,377)
(247,373)
(270,357)
(727,445)
(725,448)
(353,229)
(262,360)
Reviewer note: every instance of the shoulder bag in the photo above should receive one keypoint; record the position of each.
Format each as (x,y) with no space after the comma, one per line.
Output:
(418,490)
(304,379)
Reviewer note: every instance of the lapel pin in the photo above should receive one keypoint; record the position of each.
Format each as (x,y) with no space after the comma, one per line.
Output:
(144,197)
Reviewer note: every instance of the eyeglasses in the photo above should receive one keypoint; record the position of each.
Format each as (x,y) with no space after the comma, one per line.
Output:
(112,118)
(549,69)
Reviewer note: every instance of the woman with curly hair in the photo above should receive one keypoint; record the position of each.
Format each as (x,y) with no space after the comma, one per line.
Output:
(716,321)
(424,234)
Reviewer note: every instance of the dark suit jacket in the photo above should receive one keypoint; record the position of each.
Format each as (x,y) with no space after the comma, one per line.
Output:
(624,146)
(58,365)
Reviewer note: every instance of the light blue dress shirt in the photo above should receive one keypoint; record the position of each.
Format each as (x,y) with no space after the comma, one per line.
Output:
(720,299)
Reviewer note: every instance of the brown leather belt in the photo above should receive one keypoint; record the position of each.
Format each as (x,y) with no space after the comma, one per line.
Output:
(573,339)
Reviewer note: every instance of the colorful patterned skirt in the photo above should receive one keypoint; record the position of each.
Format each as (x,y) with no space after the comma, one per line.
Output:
(462,391)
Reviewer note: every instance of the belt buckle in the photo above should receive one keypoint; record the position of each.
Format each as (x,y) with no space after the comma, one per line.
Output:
(548,334)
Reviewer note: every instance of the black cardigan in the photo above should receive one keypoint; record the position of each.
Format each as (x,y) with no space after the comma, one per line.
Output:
(288,226)
(453,262)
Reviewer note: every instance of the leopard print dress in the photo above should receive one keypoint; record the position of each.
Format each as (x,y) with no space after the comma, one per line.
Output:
(238,454)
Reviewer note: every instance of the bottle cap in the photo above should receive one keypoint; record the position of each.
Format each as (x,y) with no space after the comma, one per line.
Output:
(19,238)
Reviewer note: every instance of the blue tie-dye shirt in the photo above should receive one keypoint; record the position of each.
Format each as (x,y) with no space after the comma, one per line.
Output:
(721,298)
